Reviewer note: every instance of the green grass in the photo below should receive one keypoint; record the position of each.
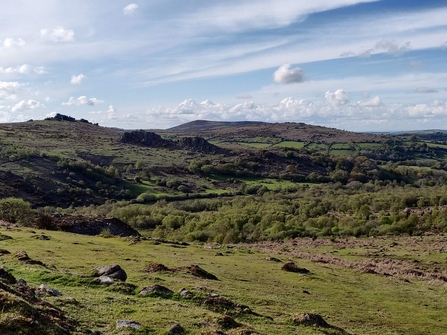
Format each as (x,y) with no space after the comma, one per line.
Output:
(255,145)
(358,303)
(290,144)
(369,146)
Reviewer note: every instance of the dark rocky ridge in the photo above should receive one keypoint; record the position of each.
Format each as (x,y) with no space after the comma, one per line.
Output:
(93,225)
(146,138)
(199,144)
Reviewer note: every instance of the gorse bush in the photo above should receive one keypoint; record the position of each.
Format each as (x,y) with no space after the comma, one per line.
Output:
(16,210)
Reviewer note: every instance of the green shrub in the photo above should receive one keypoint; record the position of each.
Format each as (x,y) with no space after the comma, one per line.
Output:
(16,210)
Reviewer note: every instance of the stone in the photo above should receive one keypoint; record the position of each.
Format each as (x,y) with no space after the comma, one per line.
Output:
(156,289)
(310,319)
(109,273)
(43,289)
(127,324)
(6,277)
(291,267)
(176,329)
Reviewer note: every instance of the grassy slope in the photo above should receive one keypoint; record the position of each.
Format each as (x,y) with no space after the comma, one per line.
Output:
(357,302)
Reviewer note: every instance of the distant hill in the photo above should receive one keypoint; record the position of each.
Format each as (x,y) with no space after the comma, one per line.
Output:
(202,125)
(287,131)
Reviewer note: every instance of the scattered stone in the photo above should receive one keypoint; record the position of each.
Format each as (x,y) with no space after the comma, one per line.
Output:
(309,319)
(22,256)
(227,322)
(5,237)
(176,329)
(41,237)
(291,267)
(273,259)
(123,288)
(127,324)
(197,271)
(219,254)
(110,273)
(183,292)
(156,289)
(6,277)
(21,282)
(306,292)
(4,252)
(45,290)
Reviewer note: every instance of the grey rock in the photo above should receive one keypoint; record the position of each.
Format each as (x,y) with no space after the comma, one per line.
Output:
(48,290)
(127,324)
(176,329)
(156,289)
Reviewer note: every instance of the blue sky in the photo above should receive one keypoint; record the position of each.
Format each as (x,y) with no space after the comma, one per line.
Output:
(360,65)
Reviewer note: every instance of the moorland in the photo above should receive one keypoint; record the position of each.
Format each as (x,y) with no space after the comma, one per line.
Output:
(290,218)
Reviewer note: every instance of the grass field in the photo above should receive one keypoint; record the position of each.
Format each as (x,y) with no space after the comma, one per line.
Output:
(290,144)
(351,301)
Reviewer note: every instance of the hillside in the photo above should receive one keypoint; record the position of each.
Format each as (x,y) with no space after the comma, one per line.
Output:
(64,162)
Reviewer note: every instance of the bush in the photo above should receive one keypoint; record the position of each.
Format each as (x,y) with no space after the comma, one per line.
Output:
(16,210)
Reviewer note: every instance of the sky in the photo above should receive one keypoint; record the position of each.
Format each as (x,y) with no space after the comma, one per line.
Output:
(359,65)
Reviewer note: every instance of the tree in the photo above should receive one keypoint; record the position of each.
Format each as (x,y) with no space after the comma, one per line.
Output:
(16,210)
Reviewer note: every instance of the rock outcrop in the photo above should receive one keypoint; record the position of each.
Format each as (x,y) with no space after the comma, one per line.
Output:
(145,138)
(93,225)
(199,144)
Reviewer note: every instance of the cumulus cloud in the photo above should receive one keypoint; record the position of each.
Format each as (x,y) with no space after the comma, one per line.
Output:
(26,105)
(59,34)
(9,89)
(22,69)
(111,109)
(11,42)
(287,75)
(82,100)
(373,102)
(130,9)
(425,89)
(76,80)
(337,98)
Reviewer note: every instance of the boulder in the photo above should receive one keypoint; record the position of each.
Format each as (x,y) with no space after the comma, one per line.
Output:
(6,277)
(110,273)
(176,329)
(45,290)
(310,319)
(291,267)
(156,289)
(127,324)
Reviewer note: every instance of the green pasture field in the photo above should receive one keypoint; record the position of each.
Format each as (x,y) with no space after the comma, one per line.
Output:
(352,302)
(290,144)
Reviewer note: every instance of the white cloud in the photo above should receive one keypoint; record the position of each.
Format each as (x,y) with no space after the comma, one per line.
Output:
(40,70)
(130,9)
(22,69)
(111,109)
(9,89)
(76,80)
(337,98)
(11,42)
(373,102)
(390,47)
(59,34)
(26,105)
(287,75)
(425,89)
(82,100)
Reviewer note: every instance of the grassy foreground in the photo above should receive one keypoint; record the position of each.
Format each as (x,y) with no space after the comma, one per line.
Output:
(350,300)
